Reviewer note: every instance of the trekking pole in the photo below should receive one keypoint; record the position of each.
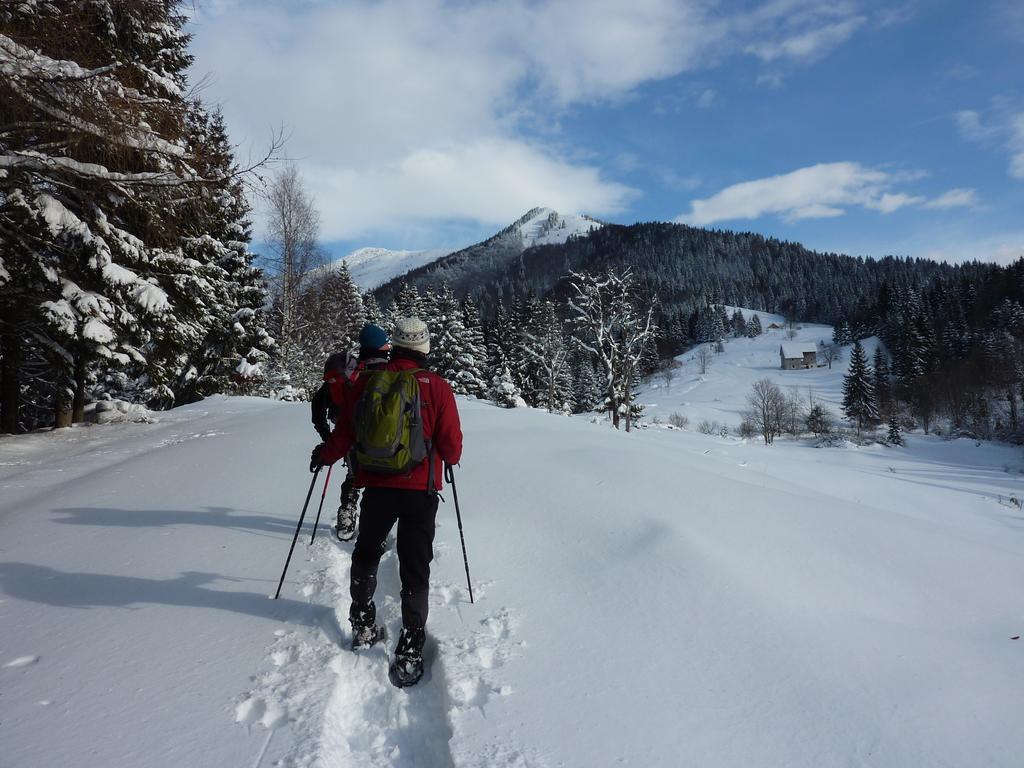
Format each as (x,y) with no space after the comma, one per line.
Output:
(297,529)
(321,509)
(449,475)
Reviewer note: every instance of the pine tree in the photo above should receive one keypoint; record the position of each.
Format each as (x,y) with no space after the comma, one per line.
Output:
(841,334)
(503,390)
(99,158)
(548,354)
(881,379)
(235,343)
(407,304)
(895,436)
(341,310)
(448,335)
(859,403)
(754,327)
(371,310)
(739,325)
(472,376)
(588,389)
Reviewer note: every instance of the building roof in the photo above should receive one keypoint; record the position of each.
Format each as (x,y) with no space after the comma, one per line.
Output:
(796,350)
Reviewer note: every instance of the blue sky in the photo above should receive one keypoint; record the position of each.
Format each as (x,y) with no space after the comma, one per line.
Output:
(852,126)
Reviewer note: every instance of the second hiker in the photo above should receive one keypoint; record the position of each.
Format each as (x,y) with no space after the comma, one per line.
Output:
(399,455)
(340,371)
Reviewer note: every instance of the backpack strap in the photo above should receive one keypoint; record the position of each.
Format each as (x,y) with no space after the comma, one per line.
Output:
(431,484)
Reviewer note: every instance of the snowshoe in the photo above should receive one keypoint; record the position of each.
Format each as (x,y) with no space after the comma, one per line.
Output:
(407,665)
(367,636)
(365,631)
(346,527)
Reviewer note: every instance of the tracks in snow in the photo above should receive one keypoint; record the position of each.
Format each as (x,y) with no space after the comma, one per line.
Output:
(338,707)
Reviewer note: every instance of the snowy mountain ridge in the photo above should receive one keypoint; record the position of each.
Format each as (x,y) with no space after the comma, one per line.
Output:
(545,226)
(372,267)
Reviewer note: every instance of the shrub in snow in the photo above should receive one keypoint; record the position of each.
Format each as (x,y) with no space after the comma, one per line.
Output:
(747,429)
(117,412)
(289,394)
(679,420)
(819,421)
(711,428)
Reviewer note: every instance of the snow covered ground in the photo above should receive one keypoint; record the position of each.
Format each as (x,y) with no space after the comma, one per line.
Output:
(662,598)
(720,393)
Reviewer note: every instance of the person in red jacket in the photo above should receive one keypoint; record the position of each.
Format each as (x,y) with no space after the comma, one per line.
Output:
(409,499)
(340,372)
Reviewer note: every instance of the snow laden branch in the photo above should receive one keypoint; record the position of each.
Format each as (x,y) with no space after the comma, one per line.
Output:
(34,161)
(48,84)
(614,331)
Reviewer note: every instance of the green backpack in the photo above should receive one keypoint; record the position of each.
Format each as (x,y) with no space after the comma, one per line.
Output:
(387,424)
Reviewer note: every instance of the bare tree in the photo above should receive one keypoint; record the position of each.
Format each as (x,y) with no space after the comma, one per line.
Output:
(293,229)
(613,330)
(704,358)
(767,409)
(828,352)
(668,373)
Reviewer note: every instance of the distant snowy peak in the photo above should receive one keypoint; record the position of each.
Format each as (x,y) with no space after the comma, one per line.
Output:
(372,267)
(544,226)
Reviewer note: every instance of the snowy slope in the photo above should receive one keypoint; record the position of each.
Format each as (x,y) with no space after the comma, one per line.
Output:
(661,598)
(720,394)
(544,226)
(371,267)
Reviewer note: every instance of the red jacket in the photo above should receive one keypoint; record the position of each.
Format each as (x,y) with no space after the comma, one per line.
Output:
(441,427)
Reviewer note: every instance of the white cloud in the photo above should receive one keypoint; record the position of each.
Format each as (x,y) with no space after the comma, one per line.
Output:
(1004,248)
(954,198)
(810,44)
(388,97)
(706,98)
(1005,126)
(818,191)
(1017,146)
(970,125)
(489,181)
(795,31)
(889,202)
(432,96)
(894,16)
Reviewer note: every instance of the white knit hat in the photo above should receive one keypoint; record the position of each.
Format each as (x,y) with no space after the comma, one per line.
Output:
(411,333)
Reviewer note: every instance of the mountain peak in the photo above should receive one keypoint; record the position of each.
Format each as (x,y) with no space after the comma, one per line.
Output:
(546,226)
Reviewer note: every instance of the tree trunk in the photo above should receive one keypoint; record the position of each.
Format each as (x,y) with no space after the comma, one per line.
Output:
(62,409)
(62,400)
(1011,398)
(78,403)
(10,383)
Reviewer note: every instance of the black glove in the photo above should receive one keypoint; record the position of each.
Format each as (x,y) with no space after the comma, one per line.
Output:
(315,462)
(325,433)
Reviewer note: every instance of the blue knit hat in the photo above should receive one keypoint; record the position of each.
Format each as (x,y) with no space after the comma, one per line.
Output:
(373,337)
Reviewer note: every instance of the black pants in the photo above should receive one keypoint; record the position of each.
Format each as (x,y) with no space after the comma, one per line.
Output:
(349,492)
(415,512)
